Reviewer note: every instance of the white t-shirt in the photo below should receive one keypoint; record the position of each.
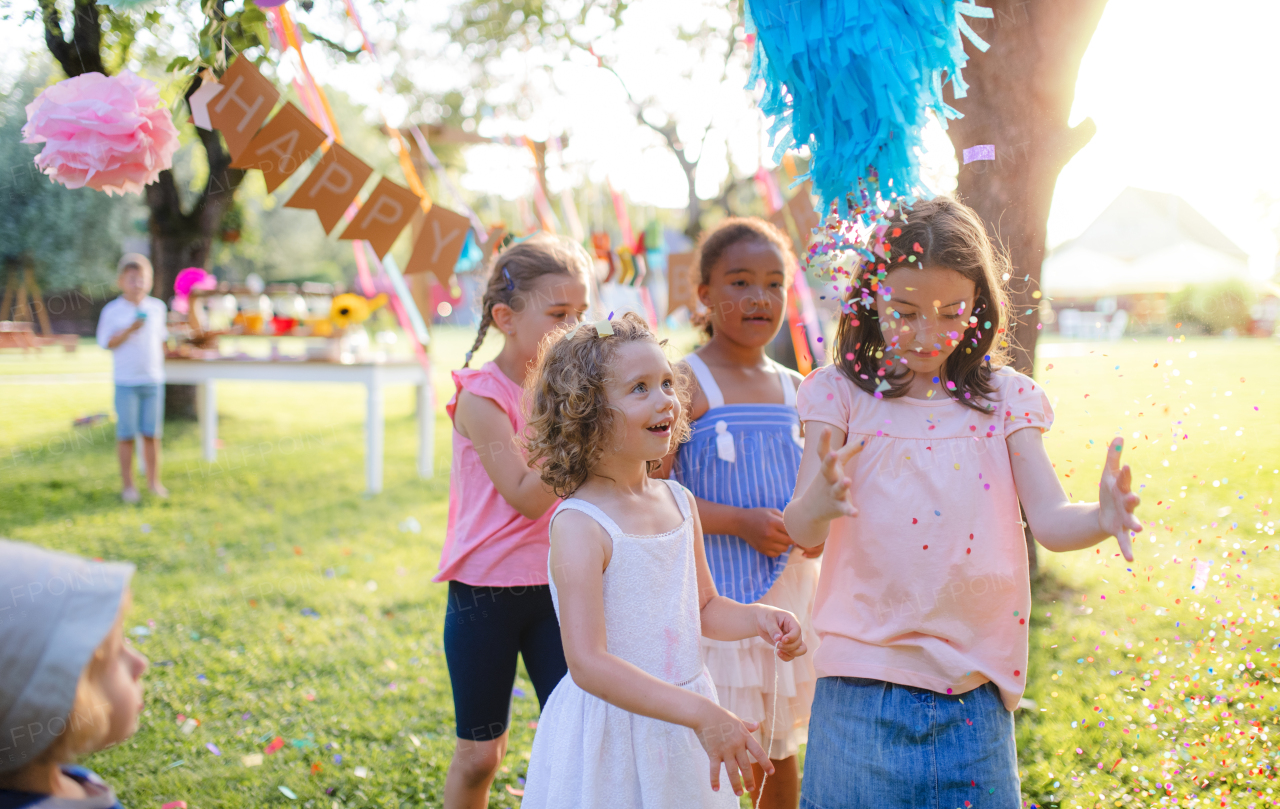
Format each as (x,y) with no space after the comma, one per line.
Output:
(139,360)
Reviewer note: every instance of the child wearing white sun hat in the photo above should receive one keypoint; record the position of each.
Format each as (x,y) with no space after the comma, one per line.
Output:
(69,682)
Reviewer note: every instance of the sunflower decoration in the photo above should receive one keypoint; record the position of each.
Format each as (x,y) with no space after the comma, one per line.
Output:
(349,309)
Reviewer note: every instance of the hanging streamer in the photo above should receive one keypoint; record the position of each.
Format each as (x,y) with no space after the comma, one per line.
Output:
(291,36)
(437,167)
(855,84)
(620,211)
(566,201)
(402,303)
(546,216)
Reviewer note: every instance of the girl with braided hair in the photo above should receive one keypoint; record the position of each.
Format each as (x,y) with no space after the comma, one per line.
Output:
(496,546)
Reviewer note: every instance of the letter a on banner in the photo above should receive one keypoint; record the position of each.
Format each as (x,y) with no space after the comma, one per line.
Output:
(439,244)
(245,101)
(281,147)
(382,216)
(331,186)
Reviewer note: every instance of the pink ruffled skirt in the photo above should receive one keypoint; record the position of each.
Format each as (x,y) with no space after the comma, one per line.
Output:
(743,670)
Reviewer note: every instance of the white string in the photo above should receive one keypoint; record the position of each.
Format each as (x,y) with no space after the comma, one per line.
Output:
(773,717)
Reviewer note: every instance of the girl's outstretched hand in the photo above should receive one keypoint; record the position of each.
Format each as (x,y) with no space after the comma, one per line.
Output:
(833,488)
(1116,500)
(728,740)
(781,629)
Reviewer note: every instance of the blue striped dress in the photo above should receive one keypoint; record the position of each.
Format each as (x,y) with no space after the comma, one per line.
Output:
(745,455)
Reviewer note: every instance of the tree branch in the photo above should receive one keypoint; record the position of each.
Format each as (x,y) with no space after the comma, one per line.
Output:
(312,36)
(83,53)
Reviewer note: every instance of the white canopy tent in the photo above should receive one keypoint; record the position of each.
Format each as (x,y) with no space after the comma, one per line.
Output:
(1144,242)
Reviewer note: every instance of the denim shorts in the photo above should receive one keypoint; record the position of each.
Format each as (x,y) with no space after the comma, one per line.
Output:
(878,745)
(138,410)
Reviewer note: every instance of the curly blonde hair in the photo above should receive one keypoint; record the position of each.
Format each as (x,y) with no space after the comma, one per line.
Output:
(569,415)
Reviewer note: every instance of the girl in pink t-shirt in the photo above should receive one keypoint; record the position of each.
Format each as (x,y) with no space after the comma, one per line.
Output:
(921,444)
(496,546)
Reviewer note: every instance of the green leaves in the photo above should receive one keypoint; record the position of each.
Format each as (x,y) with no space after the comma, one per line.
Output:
(224,36)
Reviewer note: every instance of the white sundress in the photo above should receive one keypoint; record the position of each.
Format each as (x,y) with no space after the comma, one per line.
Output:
(589,753)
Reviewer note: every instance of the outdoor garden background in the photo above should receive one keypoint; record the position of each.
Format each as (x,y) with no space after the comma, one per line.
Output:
(290,619)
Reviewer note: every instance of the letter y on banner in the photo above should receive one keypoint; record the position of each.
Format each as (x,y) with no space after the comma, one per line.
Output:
(331,186)
(439,244)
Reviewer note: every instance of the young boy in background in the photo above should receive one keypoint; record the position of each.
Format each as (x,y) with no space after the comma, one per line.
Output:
(133,328)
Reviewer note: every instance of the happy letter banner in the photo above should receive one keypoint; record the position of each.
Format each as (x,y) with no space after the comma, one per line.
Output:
(240,103)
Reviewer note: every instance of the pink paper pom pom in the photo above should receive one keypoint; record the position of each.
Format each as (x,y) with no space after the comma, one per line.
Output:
(110,133)
(190,279)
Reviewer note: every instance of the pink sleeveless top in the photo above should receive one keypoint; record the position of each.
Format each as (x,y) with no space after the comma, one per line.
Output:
(488,542)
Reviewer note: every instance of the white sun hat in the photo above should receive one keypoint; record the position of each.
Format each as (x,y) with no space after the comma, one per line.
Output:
(55,610)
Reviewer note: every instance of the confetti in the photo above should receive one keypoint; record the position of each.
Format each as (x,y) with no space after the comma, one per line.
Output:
(983,152)
(252,760)
(1202,576)
(288,793)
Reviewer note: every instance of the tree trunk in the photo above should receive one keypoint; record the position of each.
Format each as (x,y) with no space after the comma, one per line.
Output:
(1020,96)
(180,240)
(693,225)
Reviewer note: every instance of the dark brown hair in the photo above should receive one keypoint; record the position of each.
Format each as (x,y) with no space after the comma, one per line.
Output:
(569,416)
(729,232)
(937,233)
(516,268)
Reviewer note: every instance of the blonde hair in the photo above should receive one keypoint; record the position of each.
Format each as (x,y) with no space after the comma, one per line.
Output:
(89,721)
(569,415)
(516,268)
(134,261)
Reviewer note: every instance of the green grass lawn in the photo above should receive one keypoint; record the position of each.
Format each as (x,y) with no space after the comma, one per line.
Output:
(274,599)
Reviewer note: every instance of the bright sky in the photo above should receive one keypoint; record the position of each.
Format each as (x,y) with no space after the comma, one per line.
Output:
(1182,94)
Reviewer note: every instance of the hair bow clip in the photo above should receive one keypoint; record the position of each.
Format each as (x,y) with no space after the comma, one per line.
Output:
(603,327)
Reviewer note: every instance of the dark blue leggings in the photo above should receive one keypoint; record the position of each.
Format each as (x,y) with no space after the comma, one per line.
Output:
(484,629)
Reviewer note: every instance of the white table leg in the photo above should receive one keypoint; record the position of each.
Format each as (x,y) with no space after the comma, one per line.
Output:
(426,431)
(207,413)
(373,432)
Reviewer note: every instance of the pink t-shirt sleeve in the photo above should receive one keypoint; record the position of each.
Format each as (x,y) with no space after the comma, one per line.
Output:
(1025,404)
(826,396)
(482,382)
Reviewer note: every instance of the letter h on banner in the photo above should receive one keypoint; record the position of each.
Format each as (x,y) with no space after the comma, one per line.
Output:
(245,101)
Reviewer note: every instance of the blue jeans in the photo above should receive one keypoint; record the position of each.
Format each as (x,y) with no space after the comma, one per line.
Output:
(878,745)
(138,410)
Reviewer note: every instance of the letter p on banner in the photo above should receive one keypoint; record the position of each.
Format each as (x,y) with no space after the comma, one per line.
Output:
(382,216)
(245,101)
(331,186)
(281,147)
(439,244)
